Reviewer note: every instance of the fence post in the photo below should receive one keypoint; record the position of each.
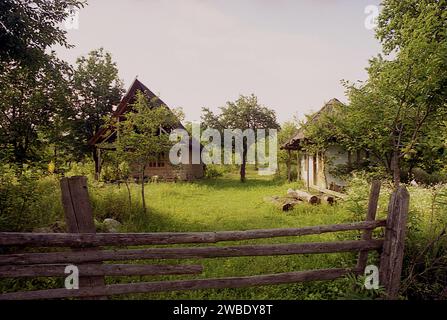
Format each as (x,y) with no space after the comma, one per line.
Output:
(393,248)
(79,218)
(370,216)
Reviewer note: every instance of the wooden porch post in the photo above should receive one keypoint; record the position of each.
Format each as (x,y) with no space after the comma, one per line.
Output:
(298,166)
(308,171)
(289,155)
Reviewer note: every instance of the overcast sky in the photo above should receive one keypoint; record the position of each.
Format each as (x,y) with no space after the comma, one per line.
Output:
(292,54)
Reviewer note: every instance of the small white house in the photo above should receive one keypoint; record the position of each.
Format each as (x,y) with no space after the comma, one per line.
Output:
(316,170)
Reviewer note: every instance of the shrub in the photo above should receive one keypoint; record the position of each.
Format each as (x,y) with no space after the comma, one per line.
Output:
(213,171)
(28,199)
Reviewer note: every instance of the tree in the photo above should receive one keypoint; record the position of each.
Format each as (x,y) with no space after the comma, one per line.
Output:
(288,129)
(98,89)
(31,99)
(34,84)
(143,136)
(244,113)
(29,27)
(404,96)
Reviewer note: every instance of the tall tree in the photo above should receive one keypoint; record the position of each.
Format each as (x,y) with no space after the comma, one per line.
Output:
(98,89)
(31,97)
(143,136)
(406,92)
(244,113)
(29,27)
(34,85)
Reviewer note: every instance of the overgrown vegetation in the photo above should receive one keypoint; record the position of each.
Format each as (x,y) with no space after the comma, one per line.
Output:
(225,204)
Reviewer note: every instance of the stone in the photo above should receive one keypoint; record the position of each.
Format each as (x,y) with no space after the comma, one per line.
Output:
(111,225)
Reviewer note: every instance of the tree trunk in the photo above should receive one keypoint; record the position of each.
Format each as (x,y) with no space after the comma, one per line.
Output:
(395,167)
(128,193)
(96,160)
(142,189)
(244,162)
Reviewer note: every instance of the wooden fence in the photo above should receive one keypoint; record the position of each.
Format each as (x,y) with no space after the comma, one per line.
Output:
(85,252)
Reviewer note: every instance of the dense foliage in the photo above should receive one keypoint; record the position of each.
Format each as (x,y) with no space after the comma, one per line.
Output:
(242,114)
(398,115)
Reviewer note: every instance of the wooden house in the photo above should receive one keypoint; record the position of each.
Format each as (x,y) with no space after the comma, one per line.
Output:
(162,168)
(317,169)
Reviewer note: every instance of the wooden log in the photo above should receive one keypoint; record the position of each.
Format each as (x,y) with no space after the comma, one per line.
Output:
(370,216)
(135,239)
(330,192)
(391,259)
(283,204)
(58,270)
(304,196)
(182,285)
(189,253)
(79,217)
(328,199)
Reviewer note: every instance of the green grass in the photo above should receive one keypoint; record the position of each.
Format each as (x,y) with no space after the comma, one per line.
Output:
(226,204)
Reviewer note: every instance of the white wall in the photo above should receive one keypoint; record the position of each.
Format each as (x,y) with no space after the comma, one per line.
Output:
(336,156)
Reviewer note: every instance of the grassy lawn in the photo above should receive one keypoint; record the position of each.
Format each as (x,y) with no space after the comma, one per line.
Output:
(227,204)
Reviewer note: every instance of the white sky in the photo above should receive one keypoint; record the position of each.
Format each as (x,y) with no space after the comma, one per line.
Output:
(202,53)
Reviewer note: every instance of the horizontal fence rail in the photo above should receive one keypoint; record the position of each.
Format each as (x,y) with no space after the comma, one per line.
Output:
(51,270)
(85,250)
(189,253)
(181,285)
(132,239)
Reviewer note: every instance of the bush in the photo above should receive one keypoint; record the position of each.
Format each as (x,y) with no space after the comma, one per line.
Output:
(28,199)
(425,261)
(425,178)
(82,169)
(214,171)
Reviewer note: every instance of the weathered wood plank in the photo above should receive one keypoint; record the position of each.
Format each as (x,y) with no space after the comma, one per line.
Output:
(182,285)
(370,216)
(53,270)
(187,253)
(79,216)
(393,249)
(134,239)
(330,192)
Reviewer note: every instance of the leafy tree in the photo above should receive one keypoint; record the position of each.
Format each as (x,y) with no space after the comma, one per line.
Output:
(34,86)
(29,27)
(31,98)
(143,136)
(244,113)
(117,169)
(288,130)
(403,21)
(98,89)
(403,97)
